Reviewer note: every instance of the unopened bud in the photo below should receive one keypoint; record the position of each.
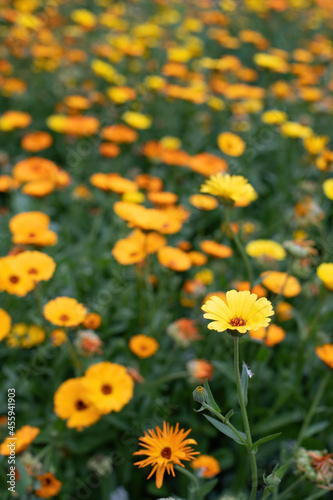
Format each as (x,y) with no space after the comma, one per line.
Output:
(200,394)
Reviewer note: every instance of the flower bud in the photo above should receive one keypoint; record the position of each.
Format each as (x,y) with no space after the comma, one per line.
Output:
(200,394)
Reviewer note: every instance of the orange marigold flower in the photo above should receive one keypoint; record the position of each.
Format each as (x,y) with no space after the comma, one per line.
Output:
(200,369)
(216,249)
(92,321)
(281,283)
(108,386)
(325,353)
(270,336)
(174,258)
(206,466)
(50,486)
(231,144)
(119,133)
(109,150)
(36,141)
(143,346)
(64,311)
(165,448)
(23,438)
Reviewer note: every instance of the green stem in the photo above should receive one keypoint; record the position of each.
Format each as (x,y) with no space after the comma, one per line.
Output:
(312,409)
(247,429)
(193,492)
(290,488)
(75,359)
(240,247)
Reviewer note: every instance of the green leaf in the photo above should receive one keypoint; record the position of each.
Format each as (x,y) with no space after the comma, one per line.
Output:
(316,428)
(207,488)
(228,415)
(280,471)
(245,382)
(211,400)
(265,440)
(226,430)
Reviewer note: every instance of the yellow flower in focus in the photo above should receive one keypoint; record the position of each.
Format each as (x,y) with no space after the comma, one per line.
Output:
(240,312)
(137,120)
(274,117)
(325,274)
(328,188)
(268,249)
(296,130)
(231,188)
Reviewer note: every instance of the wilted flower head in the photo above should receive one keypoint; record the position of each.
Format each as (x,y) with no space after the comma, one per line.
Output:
(317,466)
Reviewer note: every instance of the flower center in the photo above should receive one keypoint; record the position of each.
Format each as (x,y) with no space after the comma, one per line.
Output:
(80,405)
(106,389)
(237,321)
(32,271)
(47,481)
(14,279)
(64,317)
(166,452)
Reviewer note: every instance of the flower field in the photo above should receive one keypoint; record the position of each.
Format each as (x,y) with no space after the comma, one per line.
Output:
(166,249)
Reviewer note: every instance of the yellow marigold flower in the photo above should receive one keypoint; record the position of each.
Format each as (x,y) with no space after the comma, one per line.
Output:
(50,486)
(206,466)
(169,142)
(316,143)
(64,311)
(137,120)
(5,323)
(325,274)
(231,188)
(37,265)
(268,249)
(104,70)
(241,311)
(12,120)
(154,82)
(328,188)
(281,283)
(325,353)
(231,144)
(296,130)
(143,346)
(270,61)
(22,335)
(205,276)
(108,386)
(164,448)
(84,17)
(203,201)
(216,103)
(14,280)
(23,438)
(57,122)
(270,336)
(71,403)
(274,117)
(174,258)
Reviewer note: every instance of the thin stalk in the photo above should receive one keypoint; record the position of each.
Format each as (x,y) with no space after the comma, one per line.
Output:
(312,409)
(75,359)
(239,246)
(290,488)
(193,491)
(247,429)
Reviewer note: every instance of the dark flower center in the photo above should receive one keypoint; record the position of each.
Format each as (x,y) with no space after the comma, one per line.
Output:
(14,279)
(80,405)
(64,317)
(32,271)
(236,321)
(106,389)
(166,452)
(47,481)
